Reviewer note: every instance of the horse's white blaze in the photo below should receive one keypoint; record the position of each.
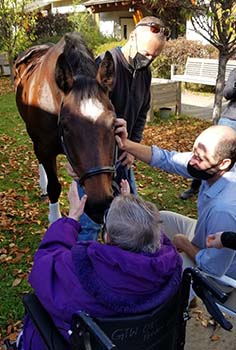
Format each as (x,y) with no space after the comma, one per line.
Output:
(91,108)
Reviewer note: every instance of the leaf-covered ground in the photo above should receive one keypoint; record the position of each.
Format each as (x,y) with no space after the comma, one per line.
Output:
(23,216)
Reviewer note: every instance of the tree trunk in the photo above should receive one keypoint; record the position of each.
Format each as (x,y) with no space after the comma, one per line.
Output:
(220,83)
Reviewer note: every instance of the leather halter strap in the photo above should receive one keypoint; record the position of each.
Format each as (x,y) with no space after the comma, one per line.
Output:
(93,171)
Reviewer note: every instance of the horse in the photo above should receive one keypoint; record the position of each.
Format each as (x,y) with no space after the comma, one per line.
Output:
(63,98)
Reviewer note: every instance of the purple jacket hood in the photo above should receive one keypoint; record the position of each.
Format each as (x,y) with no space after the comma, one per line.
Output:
(127,282)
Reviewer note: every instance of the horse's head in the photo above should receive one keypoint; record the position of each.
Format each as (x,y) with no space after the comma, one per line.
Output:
(87,130)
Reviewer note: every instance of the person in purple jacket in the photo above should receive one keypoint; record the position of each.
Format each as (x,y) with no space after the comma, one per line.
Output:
(135,270)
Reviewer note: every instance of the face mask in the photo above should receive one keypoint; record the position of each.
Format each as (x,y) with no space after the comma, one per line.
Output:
(200,174)
(139,61)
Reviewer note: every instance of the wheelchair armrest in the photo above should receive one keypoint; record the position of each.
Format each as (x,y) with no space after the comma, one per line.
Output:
(208,291)
(44,323)
(82,323)
(200,279)
(224,279)
(210,303)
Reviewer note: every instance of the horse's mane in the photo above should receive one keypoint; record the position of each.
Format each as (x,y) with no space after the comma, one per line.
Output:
(33,52)
(79,55)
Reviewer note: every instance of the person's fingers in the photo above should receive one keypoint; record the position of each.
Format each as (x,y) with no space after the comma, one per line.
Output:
(70,170)
(121,127)
(123,156)
(74,187)
(119,141)
(73,191)
(211,241)
(83,201)
(120,122)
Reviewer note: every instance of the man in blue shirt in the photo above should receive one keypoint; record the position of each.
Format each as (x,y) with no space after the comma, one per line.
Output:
(212,160)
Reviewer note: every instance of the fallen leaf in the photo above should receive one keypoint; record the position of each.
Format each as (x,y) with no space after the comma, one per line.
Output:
(204,323)
(215,337)
(16,282)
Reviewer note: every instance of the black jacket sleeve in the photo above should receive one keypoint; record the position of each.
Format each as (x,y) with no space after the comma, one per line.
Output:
(228,239)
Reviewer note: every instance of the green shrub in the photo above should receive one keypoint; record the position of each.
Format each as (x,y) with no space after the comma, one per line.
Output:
(52,27)
(84,23)
(176,52)
(108,46)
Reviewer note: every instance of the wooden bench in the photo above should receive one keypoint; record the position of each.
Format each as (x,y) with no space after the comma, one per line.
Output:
(4,65)
(164,93)
(201,71)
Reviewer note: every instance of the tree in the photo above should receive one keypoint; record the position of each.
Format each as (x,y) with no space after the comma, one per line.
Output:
(84,23)
(215,20)
(172,13)
(15,28)
(52,27)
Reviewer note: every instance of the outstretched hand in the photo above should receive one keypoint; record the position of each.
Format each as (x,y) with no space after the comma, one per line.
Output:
(70,171)
(124,187)
(214,241)
(76,204)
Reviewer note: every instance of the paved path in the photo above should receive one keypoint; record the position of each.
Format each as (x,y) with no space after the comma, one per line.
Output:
(198,105)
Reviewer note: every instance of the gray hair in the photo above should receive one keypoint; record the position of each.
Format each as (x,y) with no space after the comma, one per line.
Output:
(226,148)
(134,224)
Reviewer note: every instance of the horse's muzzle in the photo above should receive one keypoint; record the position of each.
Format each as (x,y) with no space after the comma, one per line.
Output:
(95,210)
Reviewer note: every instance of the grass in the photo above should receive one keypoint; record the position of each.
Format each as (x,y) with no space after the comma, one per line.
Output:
(23,217)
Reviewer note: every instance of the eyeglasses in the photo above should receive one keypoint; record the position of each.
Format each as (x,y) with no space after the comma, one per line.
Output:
(156,28)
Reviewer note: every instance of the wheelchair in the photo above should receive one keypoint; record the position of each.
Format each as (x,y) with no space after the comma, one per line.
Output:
(162,328)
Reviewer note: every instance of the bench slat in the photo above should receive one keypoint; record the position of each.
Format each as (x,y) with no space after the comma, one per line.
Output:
(202,71)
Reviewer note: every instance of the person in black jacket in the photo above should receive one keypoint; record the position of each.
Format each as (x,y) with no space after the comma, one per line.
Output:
(131,95)
(228,116)
(225,239)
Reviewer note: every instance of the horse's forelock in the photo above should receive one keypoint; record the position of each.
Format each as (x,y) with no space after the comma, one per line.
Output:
(79,55)
(87,87)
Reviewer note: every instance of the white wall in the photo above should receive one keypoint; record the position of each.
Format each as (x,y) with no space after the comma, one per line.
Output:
(110,22)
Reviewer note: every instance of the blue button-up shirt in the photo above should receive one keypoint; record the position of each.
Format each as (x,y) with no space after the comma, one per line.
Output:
(216,211)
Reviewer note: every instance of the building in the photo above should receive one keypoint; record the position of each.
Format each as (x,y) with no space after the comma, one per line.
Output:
(117,18)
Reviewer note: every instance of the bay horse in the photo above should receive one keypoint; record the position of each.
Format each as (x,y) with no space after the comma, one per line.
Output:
(63,99)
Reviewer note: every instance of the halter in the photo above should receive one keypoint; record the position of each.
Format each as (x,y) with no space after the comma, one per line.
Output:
(93,171)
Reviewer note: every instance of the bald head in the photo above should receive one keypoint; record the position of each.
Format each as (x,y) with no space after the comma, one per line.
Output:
(148,38)
(218,141)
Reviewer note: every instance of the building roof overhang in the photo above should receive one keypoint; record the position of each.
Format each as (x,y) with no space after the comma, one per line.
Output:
(114,5)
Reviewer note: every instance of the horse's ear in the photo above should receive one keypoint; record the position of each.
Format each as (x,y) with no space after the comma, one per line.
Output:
(106,72)
(63,74)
